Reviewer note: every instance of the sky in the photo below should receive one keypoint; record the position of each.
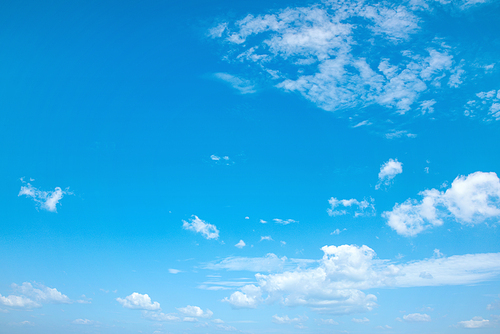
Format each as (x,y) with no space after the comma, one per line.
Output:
(250,166)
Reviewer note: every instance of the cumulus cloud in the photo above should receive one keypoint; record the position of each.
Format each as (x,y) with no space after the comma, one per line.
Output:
(335,285)
(266,237)
(139,302)
(240,244)
(388,172)
(470,200)
(195,311)
(33,295)
(360,321)
(331,54)
(417,317)
(197,225)
(241,85)
(341,207)
(476,322)
(46,200)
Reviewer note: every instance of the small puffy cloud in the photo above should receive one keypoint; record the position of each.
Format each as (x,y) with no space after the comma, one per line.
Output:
(476,322)
(240,244)
(284,221)
(388,172)
(328,322)
(221,160)
(341,207)
(262,221)
(139,302)
(197,225)
(174,271)
(46,200)
(417,317)
(360,321)
(83,322)
(287,320)
(268,238)
(241,85)
(249,297)
(195,311)
(470,200)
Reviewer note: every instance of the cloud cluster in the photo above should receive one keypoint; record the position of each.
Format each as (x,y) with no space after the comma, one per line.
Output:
(30,296)
(197,225)
(330,53)
(336,284)
(352,206)
(471,199)
(486,106)
(46,200)
(388,172)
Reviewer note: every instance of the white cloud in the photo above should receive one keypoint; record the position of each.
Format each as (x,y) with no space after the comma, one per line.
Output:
(287,320)
(46,200)
(360,321)
(208,231)
(330,53)
(174,271)
(268,238)
(240,244)
(470,200)
(364,208)
(388,172)
(195,311)
(268,263)
(241,85)
(399,134)
(159,316)
(18,301)
(328,322)
(335,285)
(284,221)
(139,302)
(83,322)
(417,317)
(487,107)
(476,322)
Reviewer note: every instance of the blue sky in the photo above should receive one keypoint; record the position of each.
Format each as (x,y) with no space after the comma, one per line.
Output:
(253,167)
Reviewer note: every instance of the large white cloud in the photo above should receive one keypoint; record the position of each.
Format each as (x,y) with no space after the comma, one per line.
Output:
(46,200)
(18,301)
(208,231)
(33,295)
(330,53)
(471,199)
(336,284)
(476,322)
(139,302)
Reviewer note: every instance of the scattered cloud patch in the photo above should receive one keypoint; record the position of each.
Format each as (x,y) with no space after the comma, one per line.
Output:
(337,231)
(476,322)
(328,322)
(195,311)
(174,271)
(139,302)
(287,320)
(486,106)
(388,172)
(159,316)
(83,322)
(33,295)
(341,207)
(417,317)
(360,321)
(268,238)
(284,221)
(394,134)
(46,200)
(470,200)
(268,263)
(197,225)
(222,160)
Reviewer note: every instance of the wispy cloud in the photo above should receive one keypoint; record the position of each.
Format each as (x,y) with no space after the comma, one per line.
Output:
(486,106)
(46,200)
(241,85)
(341,207)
